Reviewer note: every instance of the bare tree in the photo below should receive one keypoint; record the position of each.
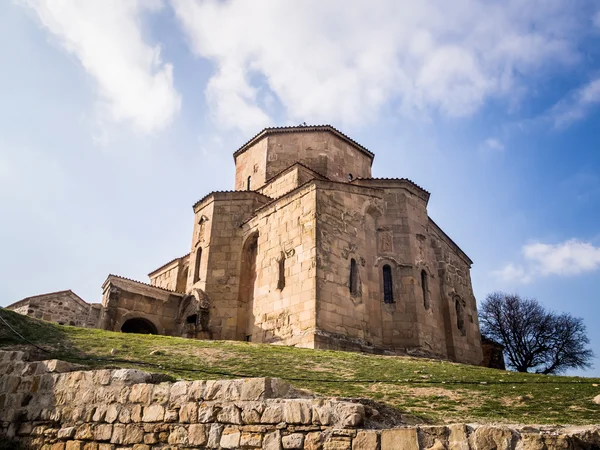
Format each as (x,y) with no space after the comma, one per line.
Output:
(533,337)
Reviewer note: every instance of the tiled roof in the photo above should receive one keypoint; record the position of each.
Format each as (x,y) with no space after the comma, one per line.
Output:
(228,192)
(393,179)
(167,263)
(307,128)
(141,282)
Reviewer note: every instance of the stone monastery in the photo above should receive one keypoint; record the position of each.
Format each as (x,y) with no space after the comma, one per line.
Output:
(309,250)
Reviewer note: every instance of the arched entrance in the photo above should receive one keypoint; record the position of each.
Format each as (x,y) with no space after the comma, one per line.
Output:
(246,292)
(139,325)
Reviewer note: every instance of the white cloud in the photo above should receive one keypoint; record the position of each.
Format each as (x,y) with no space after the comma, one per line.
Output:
(325,60)
(568,258)
(134,84)
(493,144)
(510,272)
(577,105)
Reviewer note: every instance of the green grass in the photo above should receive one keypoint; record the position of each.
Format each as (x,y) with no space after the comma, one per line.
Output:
(431,390)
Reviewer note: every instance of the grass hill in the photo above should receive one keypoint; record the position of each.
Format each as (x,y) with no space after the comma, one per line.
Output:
(431,390)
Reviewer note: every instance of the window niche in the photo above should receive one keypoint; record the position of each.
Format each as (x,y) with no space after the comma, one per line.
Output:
(425,289)
(388,284)
(460,315)
(248,181)
(281,271)
(197,265)
(353,281)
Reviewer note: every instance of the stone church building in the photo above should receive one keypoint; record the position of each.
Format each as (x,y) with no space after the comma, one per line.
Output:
(309,250)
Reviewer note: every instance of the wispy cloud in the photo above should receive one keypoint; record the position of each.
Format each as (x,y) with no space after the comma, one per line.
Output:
(134,84)
(326,63)
(493,145)
(568,258)
(576,105)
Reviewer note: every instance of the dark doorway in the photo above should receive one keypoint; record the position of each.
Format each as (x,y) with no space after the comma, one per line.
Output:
(140,326)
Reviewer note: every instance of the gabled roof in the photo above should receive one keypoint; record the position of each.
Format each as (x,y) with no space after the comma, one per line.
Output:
(67,291)
(302,128)
(241,194)
(113,277)
(167,263)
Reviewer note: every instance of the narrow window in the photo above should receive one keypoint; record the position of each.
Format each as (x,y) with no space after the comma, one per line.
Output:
(460,320)
(248,183)
(197,266)
(353,282)
(388,285)
(281,279)
(425,288)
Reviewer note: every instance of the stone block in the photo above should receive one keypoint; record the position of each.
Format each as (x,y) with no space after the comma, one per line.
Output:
(214,435)
(350,415)
(365,440)
(230,414)
(273,414)
(488,437)
(230,438)
(458,439)
(133,434)
(188,413)
(66,433)
(153,413)
(251,440)
(272,441)
(140,393)
(178,436)
(103,432)
(297,412)
(74,445)
(293,441)
(197,435)
(341,443)
(399,438)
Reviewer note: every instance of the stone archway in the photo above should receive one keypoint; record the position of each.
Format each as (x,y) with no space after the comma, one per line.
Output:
(245,324)
(139,325)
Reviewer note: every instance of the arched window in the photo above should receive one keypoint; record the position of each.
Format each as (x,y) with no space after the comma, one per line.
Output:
(388,285)
(460,319)
(197,266)
(353,282)
(425,288)
(248,183)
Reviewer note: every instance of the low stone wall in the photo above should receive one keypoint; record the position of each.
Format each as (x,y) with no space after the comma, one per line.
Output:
(52,406)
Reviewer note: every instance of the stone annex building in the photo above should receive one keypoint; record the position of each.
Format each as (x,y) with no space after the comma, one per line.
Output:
(309,250)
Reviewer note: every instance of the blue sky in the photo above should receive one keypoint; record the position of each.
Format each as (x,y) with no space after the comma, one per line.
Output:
(116,116)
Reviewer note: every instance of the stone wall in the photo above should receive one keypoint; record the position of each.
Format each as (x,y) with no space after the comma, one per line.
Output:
(172,276)
(286,252)
(64,307)
(49,406)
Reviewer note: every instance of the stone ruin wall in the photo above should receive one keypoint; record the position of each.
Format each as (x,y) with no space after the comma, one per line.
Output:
(63,307)
(48,406)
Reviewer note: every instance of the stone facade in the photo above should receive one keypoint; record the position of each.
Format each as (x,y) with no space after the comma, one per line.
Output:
(311,251)
(50,405)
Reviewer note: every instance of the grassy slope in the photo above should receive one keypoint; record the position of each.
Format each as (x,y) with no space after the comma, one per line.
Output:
(436,391)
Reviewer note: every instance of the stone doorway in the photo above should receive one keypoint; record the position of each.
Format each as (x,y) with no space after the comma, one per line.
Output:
(140,326)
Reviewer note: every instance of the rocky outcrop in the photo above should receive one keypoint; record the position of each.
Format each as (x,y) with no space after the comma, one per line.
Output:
(51,405)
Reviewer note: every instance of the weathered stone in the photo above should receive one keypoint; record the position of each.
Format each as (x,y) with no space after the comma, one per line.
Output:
(90,446)
(399,438)
(171,415)
(103,432)
(130,376)
(214,435)
(251,440)
(84,432)
(161,392)
(488,437)
(74,445)
(297,412)
(230,414)
(118,435)
(341,443)
(196,390)
(112,413)
(294,440)
(458,439)
(133,434)
(272,441)
(141,447)
(140,393)
(230,438)
(206,413)
(67,433)
(273,414)
(350,415)
(365,440)
(188,413)
(179,435)
(437,445)
(178,393)
(153,413)
(197,434)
